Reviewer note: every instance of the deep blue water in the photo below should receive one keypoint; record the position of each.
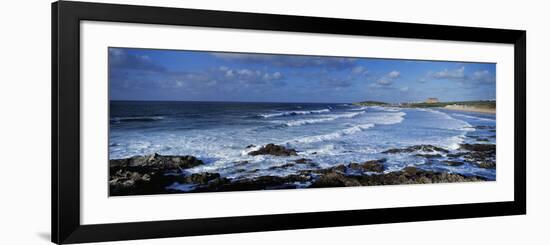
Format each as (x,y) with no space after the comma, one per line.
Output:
(219,132)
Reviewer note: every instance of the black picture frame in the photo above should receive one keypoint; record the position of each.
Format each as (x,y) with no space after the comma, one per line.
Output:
(66,18)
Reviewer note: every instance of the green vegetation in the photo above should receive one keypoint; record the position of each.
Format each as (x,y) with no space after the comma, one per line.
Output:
(485,104)
(370,103)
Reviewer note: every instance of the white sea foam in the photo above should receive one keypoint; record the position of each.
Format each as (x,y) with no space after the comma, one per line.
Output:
(384,118)
(362,108)
(294,113)
(390,109)
(458,125)
(333,135)
(322,119)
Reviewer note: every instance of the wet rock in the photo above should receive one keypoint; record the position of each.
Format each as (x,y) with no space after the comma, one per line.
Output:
(157,161)
(258,183)
(341,168)
(413,175)
(479,147)
(369,166)
(483,155)
(275,150)
(410,171)
(287,165)
(201,178)
(456,155)
(136,181)
(303,161)
(127,179)
(250,146)
(453,163)
(149,174)
(335,180)
(423,148)
(409,175)
(429,156)
(488,164)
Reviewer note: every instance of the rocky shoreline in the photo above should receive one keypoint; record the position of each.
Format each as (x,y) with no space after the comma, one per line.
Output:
(160,174)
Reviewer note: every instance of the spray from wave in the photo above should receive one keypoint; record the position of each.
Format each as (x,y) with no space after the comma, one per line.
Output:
(293,113)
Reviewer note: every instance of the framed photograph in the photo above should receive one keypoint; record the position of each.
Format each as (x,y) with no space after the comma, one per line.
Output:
(176,122)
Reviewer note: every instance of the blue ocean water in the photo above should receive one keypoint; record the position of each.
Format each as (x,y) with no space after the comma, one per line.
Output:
(222,133)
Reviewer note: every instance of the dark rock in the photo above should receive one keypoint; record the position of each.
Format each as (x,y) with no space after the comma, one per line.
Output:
(409,175)
(127,179)
(272,149)
(429,156)
(149,174)
(157,161)
(482,155)
(479,147)
(341,168)
(488,164)
(453,163)
(335,180)
(287,165)
(302,160)
(250,146)
(258,183)
(424,148)
(456,155)
(201,178)
(369,166)
(135,181)
(410,171)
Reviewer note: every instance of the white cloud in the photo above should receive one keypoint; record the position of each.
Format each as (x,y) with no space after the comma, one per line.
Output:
(394,74)
(388,79)
(359,70)
(456,74)
(294,61)
(459,75)
(483,76)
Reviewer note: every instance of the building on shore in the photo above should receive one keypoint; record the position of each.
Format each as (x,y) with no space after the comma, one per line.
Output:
(432,100)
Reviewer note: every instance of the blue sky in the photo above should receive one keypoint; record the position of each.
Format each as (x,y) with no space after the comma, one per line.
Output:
(148,74)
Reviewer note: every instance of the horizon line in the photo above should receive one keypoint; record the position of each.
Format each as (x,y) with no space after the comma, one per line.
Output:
(293,102)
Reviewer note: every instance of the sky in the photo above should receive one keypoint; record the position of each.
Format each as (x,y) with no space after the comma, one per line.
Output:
(174,75)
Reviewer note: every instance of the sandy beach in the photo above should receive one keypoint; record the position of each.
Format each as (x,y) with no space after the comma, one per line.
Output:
(470,108)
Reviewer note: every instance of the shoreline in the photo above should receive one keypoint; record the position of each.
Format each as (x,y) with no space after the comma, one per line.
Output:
(470,109)
(164,174)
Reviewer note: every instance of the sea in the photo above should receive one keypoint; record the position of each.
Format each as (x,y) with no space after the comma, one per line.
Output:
(222,134)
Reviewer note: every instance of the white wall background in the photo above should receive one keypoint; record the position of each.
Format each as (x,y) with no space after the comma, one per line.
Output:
(25,121)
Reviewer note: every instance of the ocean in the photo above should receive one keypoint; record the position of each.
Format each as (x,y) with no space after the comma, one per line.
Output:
(222,134)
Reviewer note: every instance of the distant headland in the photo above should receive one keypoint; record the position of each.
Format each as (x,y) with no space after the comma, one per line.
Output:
(484,106)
